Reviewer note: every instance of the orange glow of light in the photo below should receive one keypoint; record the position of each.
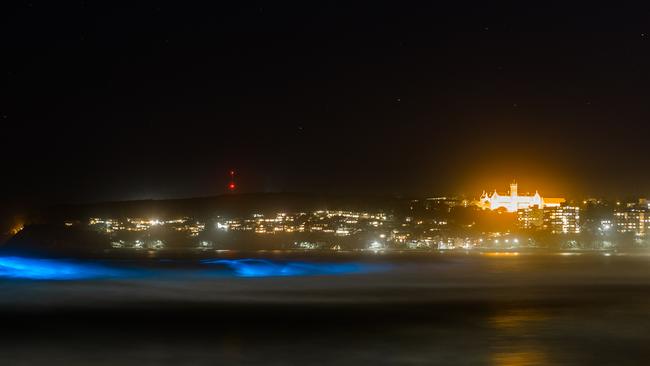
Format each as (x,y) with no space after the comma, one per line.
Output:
(16,229)
(501,254)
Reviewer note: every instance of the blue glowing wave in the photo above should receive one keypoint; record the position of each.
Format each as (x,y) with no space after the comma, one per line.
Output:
(53,269)
(267,268)
(61,269)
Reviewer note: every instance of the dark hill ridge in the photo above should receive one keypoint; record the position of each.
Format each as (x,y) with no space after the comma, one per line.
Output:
(49,239)
(202,208)
(224,205)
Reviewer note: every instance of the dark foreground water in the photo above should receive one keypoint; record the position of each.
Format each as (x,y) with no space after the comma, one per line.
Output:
(491,309)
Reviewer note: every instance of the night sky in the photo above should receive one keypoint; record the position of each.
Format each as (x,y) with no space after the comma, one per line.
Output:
(104,101)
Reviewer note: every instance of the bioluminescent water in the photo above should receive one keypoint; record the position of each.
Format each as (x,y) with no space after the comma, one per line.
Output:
(64,269)
(466,310)
(54,269)
(268,268)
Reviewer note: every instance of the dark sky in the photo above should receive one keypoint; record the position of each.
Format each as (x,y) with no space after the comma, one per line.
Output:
(110,100)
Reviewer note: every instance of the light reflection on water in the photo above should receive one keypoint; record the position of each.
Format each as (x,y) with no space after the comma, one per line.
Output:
(520,357)
(513,340)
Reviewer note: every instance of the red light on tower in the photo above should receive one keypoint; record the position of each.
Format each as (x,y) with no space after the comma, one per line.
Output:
(231,185)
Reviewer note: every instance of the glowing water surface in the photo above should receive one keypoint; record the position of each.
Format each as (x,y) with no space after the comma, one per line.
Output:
(54,269)
(268,268)
(65,269)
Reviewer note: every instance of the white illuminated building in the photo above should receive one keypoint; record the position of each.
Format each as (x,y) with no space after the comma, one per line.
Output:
(514,202)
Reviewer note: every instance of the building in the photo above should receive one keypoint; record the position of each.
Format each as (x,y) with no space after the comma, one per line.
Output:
(530,217)
(562,219)
(633,219)
(513,202)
